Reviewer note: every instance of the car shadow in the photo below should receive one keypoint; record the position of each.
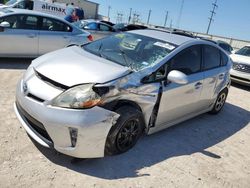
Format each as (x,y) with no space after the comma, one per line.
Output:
(195,135)
(247,88)
(14,63)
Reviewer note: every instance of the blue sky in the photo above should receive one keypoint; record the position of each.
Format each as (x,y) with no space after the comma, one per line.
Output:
(232,17)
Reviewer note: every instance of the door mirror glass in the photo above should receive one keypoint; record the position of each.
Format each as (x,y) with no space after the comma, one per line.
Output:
(5,24)
(178,77)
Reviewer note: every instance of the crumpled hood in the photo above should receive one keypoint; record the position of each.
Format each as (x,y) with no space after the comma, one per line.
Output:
(240,59)
(72,66)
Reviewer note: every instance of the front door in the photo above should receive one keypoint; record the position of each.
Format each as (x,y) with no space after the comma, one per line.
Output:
(179,101)
(21,38)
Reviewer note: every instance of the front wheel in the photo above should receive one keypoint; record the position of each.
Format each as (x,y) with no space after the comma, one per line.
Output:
(126,132)
(220,101)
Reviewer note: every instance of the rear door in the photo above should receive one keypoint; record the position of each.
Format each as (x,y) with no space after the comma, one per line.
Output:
(179,101)
(54,34)
(21,38)
(214,74)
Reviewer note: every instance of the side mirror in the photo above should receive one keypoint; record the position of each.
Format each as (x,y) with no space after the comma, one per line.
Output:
(5,24)
(177,77)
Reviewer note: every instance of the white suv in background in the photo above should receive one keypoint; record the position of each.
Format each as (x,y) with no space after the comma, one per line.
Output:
(240,71)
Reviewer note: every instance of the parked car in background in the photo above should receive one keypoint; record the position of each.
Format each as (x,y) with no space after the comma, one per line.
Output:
(26,33)
(107,22)
(97,29)
(224,45)
(128,27)
(240,71)
(109,92)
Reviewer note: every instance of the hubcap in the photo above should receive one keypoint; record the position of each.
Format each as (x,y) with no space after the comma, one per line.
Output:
(220,101)
(128,135)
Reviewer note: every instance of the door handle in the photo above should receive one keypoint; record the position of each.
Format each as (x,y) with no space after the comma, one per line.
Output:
(65,36)
(221,76)
(31,35)
(198,85)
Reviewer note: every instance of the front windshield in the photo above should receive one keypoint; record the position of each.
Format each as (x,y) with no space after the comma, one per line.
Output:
(244,51)
(131,50)
(11,2)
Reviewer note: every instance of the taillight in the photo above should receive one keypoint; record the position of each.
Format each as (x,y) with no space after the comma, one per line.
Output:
(90,37)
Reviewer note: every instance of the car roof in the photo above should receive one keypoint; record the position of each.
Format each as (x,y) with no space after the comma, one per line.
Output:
(164,35)
(10,11)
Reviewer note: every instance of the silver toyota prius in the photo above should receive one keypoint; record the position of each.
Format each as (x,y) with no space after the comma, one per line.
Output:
(26,33)
(98,99)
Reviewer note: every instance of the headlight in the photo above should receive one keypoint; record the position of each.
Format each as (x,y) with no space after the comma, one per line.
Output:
(78,97)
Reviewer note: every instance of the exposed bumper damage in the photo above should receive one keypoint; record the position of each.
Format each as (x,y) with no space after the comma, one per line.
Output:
(130,90)
(51,126)
(92,126)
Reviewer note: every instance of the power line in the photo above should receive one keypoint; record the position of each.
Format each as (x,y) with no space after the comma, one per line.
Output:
(212,15)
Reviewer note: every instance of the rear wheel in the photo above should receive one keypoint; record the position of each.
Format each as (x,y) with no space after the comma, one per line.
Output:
(126,132)
(220,101)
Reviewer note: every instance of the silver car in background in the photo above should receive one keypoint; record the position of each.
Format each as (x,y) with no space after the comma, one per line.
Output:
(99,99)
(25,33)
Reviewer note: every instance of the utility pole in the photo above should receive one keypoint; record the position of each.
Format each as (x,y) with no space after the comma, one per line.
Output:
(171,24)
(129,18)
(166,19)
(109,12)
(180,14)
(212,15)
(149,14)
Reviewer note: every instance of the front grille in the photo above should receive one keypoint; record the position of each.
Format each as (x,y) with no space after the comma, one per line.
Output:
(239,78)
(241,67)
(36,126)
(50,82)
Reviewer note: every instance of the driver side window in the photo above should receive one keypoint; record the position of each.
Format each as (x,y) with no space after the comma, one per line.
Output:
(188,61)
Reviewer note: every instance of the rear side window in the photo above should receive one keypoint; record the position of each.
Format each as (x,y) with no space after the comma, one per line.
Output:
(211,57)
(50,24)
(188,61)
(224,59)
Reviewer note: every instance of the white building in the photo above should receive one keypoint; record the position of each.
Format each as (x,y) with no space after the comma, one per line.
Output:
(90,8)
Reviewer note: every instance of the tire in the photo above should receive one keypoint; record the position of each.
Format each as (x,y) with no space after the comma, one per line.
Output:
(220,101)
(126,132)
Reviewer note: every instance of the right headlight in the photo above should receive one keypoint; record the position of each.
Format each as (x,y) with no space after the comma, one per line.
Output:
(78,97)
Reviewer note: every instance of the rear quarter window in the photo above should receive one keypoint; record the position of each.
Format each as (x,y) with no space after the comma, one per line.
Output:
(211,57)
(224,59)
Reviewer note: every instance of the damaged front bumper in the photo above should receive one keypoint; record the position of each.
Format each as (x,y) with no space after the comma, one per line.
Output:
(50,126)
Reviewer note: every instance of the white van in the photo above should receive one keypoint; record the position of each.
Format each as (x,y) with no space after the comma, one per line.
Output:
(45,6)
